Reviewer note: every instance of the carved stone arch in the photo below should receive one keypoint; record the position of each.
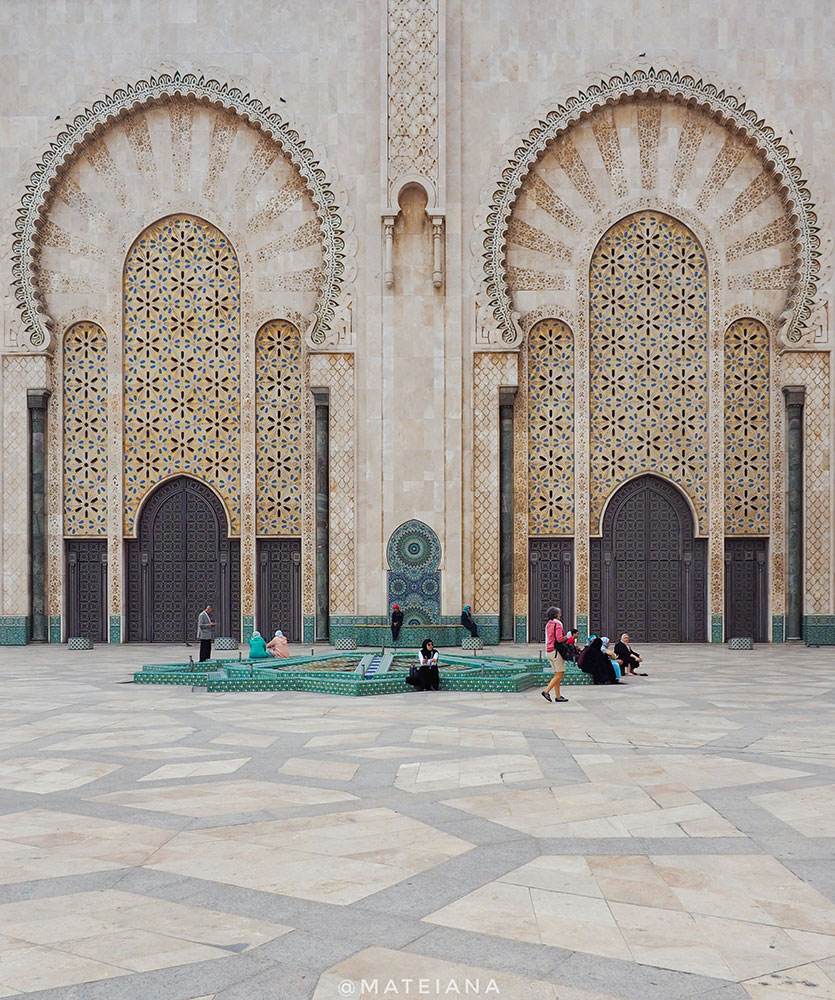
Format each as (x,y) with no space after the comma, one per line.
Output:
(570,166)
(141,161)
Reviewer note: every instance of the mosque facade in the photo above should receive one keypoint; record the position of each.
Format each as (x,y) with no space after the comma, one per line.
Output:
(313,309)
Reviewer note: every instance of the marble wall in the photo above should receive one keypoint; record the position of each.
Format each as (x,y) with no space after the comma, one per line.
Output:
(412,110)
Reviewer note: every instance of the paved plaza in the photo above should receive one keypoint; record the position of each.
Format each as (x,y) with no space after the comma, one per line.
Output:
(668,838)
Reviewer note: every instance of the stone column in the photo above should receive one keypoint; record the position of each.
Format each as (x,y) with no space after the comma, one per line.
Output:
(795,396)
(37,401)
(506,629)
(321,431)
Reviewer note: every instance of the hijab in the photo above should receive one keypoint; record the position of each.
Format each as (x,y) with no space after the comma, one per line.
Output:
(591,655)
(424,650)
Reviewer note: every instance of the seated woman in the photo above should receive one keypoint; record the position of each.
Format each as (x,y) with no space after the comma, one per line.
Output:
(468,621)
(257,647)
(277,646)
(595,662)
(627,657)
(427,678)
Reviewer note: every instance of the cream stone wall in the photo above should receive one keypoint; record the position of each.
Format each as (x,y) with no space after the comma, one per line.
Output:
(437,94)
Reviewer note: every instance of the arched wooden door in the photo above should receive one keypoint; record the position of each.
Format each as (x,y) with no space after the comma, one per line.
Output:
(649,572)
(182,560)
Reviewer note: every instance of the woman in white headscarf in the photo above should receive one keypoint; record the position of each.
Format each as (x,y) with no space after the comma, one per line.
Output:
(278,645)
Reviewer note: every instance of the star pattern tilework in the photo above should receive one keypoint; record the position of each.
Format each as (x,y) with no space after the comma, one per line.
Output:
(648,357)
(551,429)
(182,361)
(747,443)
(278,429)
(85,431)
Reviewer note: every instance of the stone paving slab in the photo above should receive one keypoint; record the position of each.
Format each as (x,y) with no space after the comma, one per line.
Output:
(669,838)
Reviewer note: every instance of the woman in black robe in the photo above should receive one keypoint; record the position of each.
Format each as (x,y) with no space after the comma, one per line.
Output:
(595,662)
(427,675)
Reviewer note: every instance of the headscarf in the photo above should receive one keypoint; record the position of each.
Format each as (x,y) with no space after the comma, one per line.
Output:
(466,607)
(604,642)
(590,655)
(425,651)
(256,635)
(278,633)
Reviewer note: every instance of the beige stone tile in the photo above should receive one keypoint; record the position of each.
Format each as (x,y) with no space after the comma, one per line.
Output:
(110,932)
(222,798)
(245,739)
(455,736)
(329,769)
(43,775)
(592,810)
(334,857)
(468,772)
(42,844)
(36,968)
(804,982)
(807,810)
(500,908)
(124,738)
(171,753)
(668,939)
(377,966)
(343,739)
(196,769)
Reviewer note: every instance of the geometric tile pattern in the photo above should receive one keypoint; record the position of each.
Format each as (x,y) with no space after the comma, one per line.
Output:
(747,440)
(414,554)
(811,369)
(278,429)
(551,428)
(340,382)
(490,372)
(648,357)
(182,362)
(85,430)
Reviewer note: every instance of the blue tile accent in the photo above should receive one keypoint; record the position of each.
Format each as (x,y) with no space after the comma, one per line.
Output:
(309,629)
(414,581)
(520,628)
(115,631)
(717,629)
(583,628)
(341,627)
(14,630)
(488,629)
(819,630)
(55,628)
(778,628)
(247,627)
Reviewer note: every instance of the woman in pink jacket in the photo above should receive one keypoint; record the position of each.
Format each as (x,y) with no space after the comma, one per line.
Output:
(554,644)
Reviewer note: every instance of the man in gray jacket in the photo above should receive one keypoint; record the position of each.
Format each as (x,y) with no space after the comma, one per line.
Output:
(204,632)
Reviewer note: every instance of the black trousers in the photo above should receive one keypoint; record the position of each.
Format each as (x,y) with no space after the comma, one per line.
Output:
(395,632)
(205,649)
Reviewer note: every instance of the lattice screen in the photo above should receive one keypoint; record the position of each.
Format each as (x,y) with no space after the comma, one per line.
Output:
(85,431)
(747,444)
(278,429)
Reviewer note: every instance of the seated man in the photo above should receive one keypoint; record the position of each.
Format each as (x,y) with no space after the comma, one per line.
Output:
(627,657)
(257,647)
(277,646)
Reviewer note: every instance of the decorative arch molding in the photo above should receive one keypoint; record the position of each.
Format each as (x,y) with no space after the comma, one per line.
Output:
(744,131)
(679,499)
(338,246)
